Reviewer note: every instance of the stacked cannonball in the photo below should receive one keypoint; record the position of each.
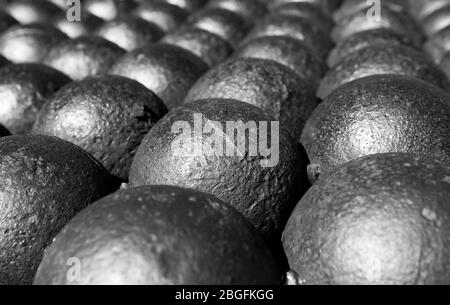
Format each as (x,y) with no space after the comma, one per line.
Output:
(224,142)
(378,146)
(434,16)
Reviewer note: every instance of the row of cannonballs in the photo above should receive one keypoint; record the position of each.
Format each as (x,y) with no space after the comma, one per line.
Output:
(342,84)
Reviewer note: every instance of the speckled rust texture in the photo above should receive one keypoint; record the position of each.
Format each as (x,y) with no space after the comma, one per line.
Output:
(378,114)
(169,71)
(30,43)
(129,32)
(24,88)
(313,36)
(226,24)
(160,235)
(108,116)
(208,46)
(263,83)
(286,51)
(45,182)
(366,39)
(382,219)
(263,194)
(84,56)
(383,59)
